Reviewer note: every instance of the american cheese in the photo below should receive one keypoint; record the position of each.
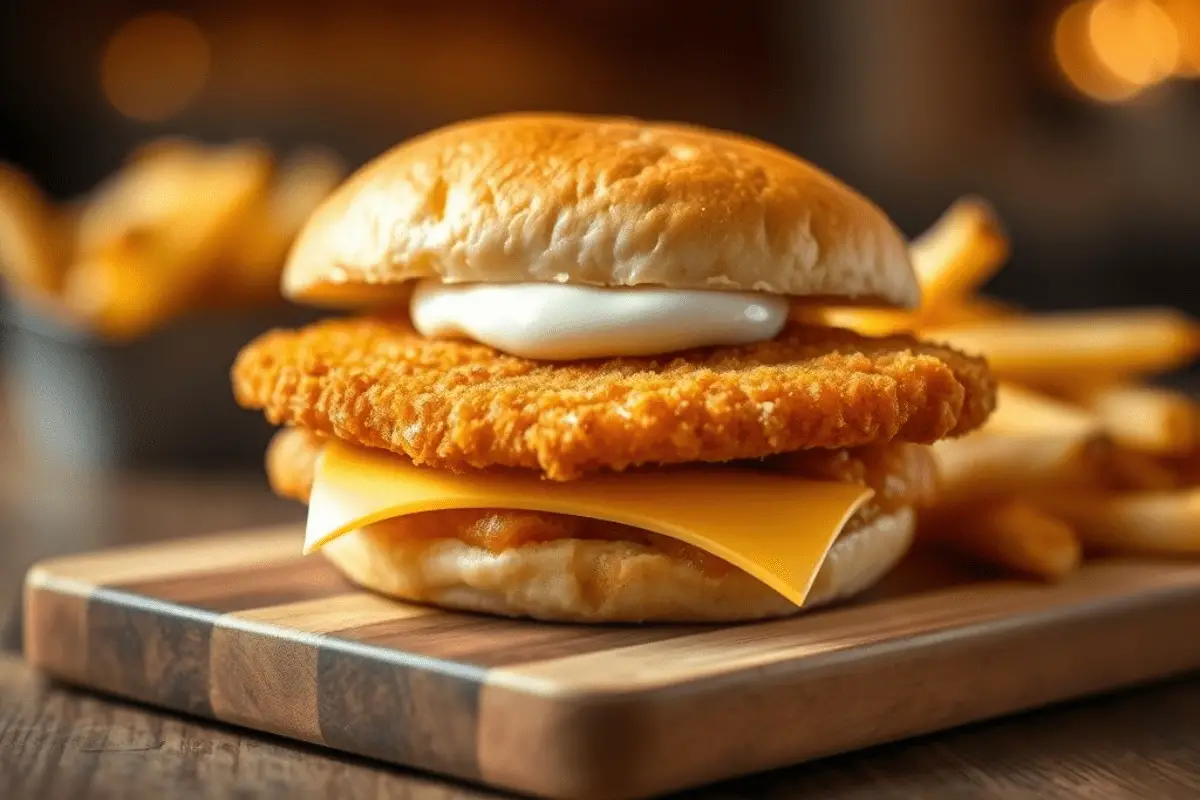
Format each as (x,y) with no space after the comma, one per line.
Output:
(775,527)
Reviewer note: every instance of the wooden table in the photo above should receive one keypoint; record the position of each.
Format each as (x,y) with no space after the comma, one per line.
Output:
(58,742)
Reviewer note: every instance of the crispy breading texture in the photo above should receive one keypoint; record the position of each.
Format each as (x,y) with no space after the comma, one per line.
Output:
(291,462)
(458,405)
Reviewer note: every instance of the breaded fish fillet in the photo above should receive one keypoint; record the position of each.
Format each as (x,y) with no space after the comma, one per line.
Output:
(457,405)
(902,475)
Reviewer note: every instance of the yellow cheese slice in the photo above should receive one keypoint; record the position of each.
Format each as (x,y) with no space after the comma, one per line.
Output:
(775,527)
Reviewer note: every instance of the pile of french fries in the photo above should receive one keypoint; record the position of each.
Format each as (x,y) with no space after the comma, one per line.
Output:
(180,227)
(1082,454)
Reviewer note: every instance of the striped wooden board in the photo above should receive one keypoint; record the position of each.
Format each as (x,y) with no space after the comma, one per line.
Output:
(241,628)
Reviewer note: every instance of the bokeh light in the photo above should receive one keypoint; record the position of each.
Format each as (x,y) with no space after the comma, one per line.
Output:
(1134,39)
(154,65)
(1077,59)
(1110,50)
(1185,14)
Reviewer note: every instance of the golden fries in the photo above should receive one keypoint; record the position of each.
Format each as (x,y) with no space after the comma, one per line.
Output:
(959,253)
(1146,419)
(181,226)
(1125,470)
(1076,450)
(31,257)
(109,288)
(1054,349)
(1014,535)
(1023,412)
(983,466)
(149,272)
(968,311)
(870,321)
(1164,523)
(148,192)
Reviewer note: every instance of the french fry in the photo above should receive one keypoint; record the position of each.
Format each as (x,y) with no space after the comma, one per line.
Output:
(164,147)
(1013,535)
(868,321)
(1024,412)
(1125,470)
(983,466)
(1079,389)
(968,311)
(886,321)
(32,240)
(1150,420)
(109,288)
(258,251)
(958,253)
(1075,451)
(1058,349)
(151,189)
(181,226)
(951,259)
(137,275)
(1114,468)
(1164,523)
(1185,468)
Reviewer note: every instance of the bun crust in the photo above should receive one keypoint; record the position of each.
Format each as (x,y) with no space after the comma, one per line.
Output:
(607,202)
(581,580)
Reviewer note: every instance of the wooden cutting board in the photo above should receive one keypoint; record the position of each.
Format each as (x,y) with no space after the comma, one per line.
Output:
(243,629)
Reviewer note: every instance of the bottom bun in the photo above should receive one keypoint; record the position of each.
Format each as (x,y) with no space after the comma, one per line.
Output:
(587,580)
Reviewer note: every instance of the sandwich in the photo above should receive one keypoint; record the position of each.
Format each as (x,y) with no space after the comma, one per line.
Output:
(580,375)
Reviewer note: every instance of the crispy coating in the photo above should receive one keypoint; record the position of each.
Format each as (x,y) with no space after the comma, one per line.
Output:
(292,462)
(901,475)
(457,405)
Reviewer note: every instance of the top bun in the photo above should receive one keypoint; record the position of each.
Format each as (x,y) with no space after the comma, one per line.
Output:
(606,202)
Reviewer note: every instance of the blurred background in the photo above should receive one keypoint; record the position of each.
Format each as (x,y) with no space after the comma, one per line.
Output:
(1079,120)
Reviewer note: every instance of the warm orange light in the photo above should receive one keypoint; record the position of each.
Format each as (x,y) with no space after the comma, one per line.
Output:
(1112,49)
(1135,40)
(1077,59)
(154,65)
(1185,14)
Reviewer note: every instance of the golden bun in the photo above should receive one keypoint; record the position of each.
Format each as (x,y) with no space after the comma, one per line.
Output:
(585,580)
(598,201)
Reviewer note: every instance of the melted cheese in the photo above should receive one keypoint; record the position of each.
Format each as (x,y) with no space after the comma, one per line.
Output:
(775,527)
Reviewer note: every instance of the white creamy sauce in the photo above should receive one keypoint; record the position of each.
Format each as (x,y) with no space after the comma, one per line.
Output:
(562,322)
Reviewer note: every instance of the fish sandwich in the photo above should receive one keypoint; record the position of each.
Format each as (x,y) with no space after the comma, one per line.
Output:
(582,382)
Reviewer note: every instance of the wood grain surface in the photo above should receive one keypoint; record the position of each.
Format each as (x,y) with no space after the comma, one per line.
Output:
(57,742)
(239,628)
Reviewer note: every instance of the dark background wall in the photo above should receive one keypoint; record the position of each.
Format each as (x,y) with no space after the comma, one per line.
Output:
(1091,153)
